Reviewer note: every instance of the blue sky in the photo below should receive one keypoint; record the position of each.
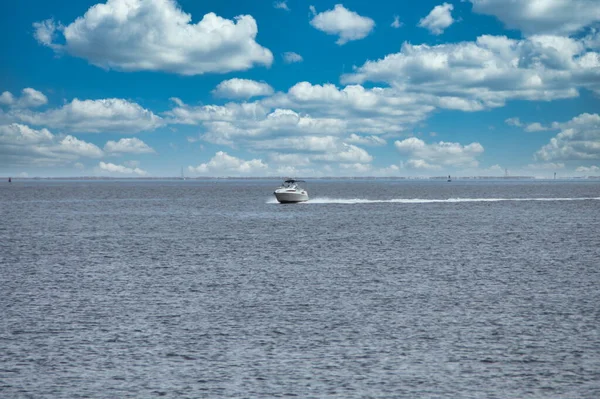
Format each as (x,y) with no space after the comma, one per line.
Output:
(296,88)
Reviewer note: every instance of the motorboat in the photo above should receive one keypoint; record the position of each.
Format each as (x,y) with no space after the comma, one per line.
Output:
(291,191)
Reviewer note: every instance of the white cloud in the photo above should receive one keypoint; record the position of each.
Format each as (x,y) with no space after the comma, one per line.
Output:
(73,145)
(438,19)
(252,121)
(421,164)
(93,116)
(223,164)
(23,145)
(346,24)
(578,139)
(542,16)
(535,127)
(130,146)
(514,122)
(120,169)
(425,155)
(138,35)
(290,57)
(45,32)
(177,101)
(347,153)
(20,134)
(6,98)
(29,98)
(488,72)
(242,88)
(532,127)
(282,5)
(396,23)
(301,144)
(365,140)
(588,169)
(374,111)
(308,110)
(307,149)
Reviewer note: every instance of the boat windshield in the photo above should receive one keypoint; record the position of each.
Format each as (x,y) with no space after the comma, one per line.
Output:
(292,183)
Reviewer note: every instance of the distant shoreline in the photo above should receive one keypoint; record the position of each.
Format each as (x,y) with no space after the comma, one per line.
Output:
(91,178)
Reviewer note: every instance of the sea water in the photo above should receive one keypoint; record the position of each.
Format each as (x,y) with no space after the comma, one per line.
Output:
(372,289)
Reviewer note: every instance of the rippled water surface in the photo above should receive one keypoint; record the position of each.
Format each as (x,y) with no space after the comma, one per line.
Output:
(373,289)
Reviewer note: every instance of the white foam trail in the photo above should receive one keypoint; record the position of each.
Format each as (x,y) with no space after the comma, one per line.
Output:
(351,201)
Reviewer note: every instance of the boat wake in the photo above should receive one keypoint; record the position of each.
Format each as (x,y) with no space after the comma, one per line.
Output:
(351,201)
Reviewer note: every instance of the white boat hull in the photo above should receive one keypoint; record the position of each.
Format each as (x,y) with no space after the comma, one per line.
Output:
(290,197)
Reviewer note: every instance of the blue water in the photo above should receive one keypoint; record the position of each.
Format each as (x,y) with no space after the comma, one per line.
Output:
(373,289)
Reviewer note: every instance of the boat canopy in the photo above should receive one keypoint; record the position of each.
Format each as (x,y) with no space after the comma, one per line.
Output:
(294,181)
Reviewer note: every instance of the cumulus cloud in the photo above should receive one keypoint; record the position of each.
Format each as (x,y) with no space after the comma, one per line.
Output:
(488,72)
(301,144)
(438,19)
(347,153)
(128,146)
(431,156)
(366,140)
(253,121)
(308,110)
(45,32)
(532,127)
(396,22)
(375,110)
(242,88)
(345,24)
(138,35)
(120,169)
(579,139)
(282,5)
(223,164)
(20,134)
(513,122)
(535,127)
(290,57)
(547,17)
(73,145)
(29,98)
(310,149)
(92,116)
(421,164)
(6,98)
(588,169)
(23,145)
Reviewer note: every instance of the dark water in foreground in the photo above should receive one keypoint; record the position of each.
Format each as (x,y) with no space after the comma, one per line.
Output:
(208,289)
